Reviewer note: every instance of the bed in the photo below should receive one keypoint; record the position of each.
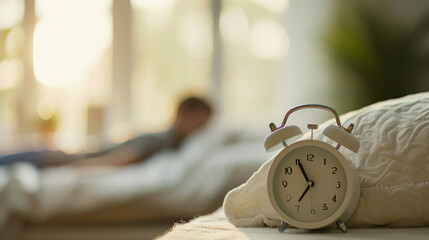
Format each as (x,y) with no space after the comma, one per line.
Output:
(142,201)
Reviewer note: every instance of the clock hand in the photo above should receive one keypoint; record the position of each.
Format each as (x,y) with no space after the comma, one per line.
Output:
(303,172)
(305,191)
(309,186)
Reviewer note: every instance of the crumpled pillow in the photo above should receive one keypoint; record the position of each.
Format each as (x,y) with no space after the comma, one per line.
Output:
(392,162)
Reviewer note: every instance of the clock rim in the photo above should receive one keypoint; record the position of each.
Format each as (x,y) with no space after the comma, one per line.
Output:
(351,197)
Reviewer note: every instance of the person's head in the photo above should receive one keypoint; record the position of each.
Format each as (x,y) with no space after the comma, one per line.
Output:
(192,114)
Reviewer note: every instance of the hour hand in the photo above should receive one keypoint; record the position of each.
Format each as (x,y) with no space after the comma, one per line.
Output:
(303,172)
(303,194)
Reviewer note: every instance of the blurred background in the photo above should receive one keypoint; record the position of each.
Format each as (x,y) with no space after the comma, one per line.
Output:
(77,74)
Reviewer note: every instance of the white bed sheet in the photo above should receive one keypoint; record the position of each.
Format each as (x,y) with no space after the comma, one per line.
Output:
(183,182)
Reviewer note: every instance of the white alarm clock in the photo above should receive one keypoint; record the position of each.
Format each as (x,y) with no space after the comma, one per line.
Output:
(310,184)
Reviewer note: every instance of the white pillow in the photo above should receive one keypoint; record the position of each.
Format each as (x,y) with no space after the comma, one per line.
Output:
(392,162)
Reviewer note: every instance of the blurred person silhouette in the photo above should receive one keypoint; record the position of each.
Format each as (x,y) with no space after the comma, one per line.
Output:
(192,114)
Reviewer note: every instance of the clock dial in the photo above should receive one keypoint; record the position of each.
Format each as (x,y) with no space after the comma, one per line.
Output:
(309,183)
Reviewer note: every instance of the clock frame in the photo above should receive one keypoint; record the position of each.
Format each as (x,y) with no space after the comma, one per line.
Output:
(351,188)
(280,137)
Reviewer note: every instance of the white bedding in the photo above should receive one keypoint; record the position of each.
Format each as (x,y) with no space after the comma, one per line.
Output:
(179,183)
(393,164)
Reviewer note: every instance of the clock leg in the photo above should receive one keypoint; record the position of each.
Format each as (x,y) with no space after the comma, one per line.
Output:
(341,226)
(283,226)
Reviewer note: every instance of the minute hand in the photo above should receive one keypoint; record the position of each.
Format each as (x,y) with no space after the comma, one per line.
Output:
(303,172)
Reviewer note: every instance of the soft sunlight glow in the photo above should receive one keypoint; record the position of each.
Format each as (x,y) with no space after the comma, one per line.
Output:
(155,104)
(153,5)
(10,73)
(69,142)
(276,6)
(234,24)
(15,42)
(161,113)
(65,46)
(71,39)
(155,13)
(268,40)
(120,133)
(46,108)
(72,114)
(196,36)
(11,13)
(248,85)
(59,7)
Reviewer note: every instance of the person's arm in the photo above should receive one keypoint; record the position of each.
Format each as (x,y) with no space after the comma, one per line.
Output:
(130,152)
(120,156)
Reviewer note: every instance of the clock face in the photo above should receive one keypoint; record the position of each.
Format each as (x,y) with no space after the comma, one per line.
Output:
(308,183)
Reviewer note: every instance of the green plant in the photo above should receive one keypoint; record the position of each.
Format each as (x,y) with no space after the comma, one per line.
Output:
(382,53)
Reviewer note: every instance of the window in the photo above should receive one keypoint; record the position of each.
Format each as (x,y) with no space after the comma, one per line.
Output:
(71,57)
(254,43)
(173,53)
(68,72)
(11,64)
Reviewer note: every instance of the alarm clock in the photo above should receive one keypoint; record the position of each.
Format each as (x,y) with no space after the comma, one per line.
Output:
(310,184)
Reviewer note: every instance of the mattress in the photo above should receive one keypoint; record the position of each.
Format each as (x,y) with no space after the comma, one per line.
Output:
(215,226)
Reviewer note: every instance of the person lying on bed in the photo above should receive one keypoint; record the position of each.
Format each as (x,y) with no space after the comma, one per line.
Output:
(192,114)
